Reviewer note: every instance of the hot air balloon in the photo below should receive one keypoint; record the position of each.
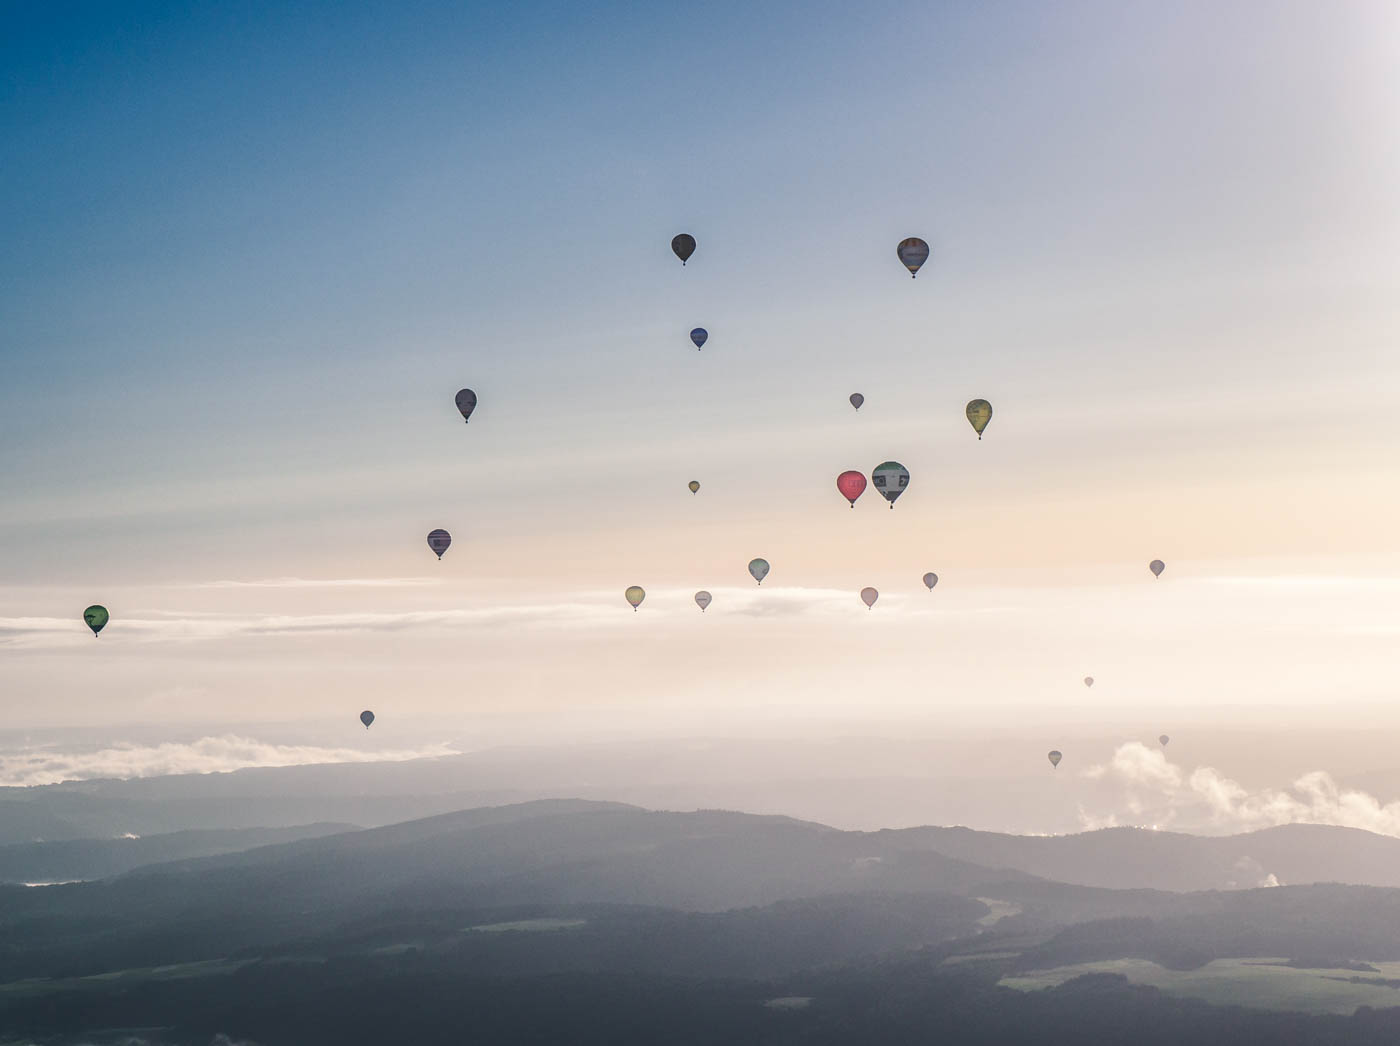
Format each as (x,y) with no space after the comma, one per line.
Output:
(635,595)
(868,597)
(856,400)
(930,579)
(367,717)
(96,618)
(1054,758)
(684,246)
(979,412)
(1088,680)
(466,403)
(1156,566)
(1163,739)
(702,600)
(851,484)
(694,486)
(438,541)
(699,335)
(913,252)
(759,569)
(890,478)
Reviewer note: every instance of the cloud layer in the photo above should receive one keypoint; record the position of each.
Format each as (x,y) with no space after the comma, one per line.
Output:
(207,755)
(1157,791)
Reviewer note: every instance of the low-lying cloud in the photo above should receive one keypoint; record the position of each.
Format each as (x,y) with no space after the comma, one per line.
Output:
(1159,792)
(208,755)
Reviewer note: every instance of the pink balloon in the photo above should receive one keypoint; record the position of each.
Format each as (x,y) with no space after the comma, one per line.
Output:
(851,484)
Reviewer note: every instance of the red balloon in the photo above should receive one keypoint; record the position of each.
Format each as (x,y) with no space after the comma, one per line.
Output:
(851,484)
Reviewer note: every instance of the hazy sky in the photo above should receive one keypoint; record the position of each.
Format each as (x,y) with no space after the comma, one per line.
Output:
(249,253)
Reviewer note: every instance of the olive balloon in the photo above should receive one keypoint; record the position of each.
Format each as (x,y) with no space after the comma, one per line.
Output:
(979,412)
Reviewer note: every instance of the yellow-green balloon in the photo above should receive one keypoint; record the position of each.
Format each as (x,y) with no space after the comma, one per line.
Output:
(979,412)
(96,618)
(635,595)
(694,486)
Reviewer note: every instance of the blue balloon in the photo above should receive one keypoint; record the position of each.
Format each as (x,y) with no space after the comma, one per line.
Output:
(699,335)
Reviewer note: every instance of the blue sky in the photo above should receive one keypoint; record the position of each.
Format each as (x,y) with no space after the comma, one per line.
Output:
(248,253)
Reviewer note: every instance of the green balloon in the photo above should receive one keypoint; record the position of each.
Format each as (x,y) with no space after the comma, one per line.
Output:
(96,618)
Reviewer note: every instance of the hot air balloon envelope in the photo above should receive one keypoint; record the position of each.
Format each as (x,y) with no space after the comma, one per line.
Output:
(466,403)
(366,717)
(856,400)
(438,541)
(635,595)
(1163,740)
(758,568)
(913,252)
(95,617)
(1055,758)
(699,335)
(694,486)
(979,412)
(684,246)
(1088,680)
(702,600)
(1156,566)
(890,479)
(930,579)
(851,484)
(868,596)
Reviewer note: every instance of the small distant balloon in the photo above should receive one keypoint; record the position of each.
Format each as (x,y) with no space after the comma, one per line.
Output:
(466,403)
(868,597)
(702,600)
(913,252)
(635,595)
(439,541)
(758,568)
(367,717)
(851,484)
(96,617)
(1054,758)
(1162,740)
(856,400)
(930,579)
(979,412)
(1088,680)
(694,486)
(699,335)
(684,246)
(1156,566)
(890,479)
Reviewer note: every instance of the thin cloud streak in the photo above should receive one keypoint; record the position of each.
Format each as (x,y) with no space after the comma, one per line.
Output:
(207,755)
(302,582)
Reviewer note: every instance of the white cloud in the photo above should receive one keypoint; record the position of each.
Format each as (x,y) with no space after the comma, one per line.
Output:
(1206,799)
(205,756)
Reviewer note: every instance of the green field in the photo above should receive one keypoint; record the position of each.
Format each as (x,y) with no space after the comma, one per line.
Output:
(1260,983)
